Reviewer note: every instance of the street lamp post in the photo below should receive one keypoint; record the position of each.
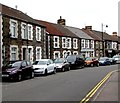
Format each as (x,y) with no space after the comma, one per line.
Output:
(103,52)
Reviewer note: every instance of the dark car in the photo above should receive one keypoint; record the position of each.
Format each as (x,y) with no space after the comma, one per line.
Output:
(76,61)
(61,64)
(91,61)
(104,61)
(17,70)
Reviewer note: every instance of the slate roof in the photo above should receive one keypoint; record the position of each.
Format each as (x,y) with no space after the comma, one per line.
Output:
(92,34)
(118,39)
(50,28)
(79,32)
(114,38)
(65,31)
(17,14)
(105,35)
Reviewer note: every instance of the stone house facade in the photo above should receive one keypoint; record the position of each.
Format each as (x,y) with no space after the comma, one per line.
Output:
(22,37)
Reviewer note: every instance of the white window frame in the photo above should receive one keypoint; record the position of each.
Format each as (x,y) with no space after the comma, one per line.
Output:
(38,33)
(83,42)
(92,44)
(15,27)
(88,43)
(56,52)
(13,46)
(30,32)
(30,54)
(68,52)
(114,45)
(68,43)
(75,52)
(75,43)
(56,42)
(24,33)
(63,42)
(39,52)
(64,54)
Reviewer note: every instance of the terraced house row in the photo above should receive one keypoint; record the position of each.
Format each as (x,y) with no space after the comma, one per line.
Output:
(22,37)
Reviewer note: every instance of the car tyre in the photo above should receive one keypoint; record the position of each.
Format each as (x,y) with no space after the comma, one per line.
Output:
(45,72)
(19,78)
(32,74)
(63,69)
(98,65)
(69,68)
(92,65)
(54,71)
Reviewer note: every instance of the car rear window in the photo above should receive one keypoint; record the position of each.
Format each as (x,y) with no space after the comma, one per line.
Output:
(71,58)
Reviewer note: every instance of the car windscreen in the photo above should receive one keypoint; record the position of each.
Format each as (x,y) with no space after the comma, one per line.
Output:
(116,56)
(59,61)
(71,58)
(88,58)
(40,63)
(12,65)
(102,59)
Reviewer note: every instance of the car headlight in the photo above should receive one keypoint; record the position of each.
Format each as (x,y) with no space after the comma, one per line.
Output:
(13,72)
(60,66)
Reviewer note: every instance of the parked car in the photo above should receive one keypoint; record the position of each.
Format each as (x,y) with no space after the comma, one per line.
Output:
(91,61)
(44,66)
(61,64)
(76,61)
(17,70)
(112,60)
(104,61)
(116,58)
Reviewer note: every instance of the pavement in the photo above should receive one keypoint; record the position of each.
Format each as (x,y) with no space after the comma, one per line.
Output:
(110,89)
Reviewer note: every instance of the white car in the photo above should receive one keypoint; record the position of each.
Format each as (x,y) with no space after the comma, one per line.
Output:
(117,58)
(44,66)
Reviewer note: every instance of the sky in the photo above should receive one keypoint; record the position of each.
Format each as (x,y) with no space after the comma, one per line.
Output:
(77,13)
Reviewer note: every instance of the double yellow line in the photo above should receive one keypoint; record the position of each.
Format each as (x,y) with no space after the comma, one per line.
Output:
(94,90)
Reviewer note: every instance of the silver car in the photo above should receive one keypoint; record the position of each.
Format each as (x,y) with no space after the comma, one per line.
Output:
(44,66)
(116,58)
(61,64)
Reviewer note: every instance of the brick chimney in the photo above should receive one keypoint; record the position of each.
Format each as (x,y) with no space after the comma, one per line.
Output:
(114,33)
(61,21)
(88,28)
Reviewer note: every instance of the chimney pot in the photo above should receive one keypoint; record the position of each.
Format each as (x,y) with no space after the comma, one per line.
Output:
(114,33)
(61,21)
(88,27)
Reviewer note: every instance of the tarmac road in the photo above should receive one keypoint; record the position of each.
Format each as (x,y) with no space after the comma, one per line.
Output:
(72,85)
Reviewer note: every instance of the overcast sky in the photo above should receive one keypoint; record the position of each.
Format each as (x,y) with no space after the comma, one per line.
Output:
(78,13)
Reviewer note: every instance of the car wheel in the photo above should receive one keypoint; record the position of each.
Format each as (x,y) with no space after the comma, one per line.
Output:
(32,75)
(98,65)
(54,71)
(19,78)
(91,65)
(45,72)
(68,68)
(83,66)
(63,69)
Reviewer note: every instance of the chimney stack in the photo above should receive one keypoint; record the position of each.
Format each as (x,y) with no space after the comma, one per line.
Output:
(61,21)
(114,33)
(88,28)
